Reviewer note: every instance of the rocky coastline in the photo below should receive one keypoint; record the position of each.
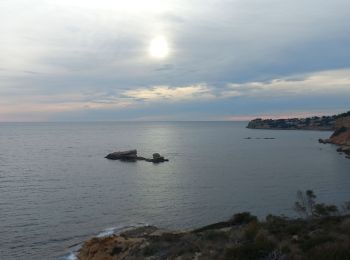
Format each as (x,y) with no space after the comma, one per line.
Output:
(322,232)
(243,237)
(340,124)
(341,136)
(324,123)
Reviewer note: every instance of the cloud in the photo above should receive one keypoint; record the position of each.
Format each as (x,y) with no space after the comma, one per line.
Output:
(174,94)
(90,55)
(335,83)
(321,83)
(44,107)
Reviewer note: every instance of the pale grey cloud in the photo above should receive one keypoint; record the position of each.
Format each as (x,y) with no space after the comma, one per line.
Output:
(171,94)
(320,83)
(324,83)
(97,50)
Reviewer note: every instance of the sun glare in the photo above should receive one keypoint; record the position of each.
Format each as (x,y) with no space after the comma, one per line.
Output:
(159,47)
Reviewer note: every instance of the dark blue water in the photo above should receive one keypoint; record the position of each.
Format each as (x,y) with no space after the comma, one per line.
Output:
(57,189)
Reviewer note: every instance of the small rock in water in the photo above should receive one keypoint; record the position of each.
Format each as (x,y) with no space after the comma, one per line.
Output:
(156,156)
(323,141)
(131,156)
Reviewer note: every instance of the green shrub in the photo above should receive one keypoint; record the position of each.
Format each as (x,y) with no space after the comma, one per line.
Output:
(282,226)
(310,242)
(216,235)
(149,250)
(323,210)
(250,251)
(330,251)
(345,226)
(346,207)
(285,249)
(242,218)
(305,203)
(276,224)
(306,206)
(170,237)
(295,227)
(251,230)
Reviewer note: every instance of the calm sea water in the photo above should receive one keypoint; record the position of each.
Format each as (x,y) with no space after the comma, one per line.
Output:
(57,189)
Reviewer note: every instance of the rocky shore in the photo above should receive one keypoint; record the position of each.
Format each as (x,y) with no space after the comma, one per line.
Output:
(339,123)
(242,237)
(341,136)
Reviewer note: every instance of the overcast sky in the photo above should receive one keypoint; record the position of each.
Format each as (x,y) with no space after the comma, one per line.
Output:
(87,60)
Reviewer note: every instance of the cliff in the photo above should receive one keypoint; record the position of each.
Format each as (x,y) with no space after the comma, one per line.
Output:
(341,135)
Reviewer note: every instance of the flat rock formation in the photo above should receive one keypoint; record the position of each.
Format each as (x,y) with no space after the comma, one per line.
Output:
(131,156)
(341,136)
(243,237)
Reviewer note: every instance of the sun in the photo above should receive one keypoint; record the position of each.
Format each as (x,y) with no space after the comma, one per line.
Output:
(159,47)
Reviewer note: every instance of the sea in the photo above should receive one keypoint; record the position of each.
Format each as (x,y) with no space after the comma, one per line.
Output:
(57,189)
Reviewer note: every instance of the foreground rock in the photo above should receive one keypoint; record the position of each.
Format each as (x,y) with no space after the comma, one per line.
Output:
(243,237)
(341,136)
(131,156)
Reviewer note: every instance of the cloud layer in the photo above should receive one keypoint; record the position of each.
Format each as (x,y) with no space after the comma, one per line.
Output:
(170,94)
(320,85)
(233,57)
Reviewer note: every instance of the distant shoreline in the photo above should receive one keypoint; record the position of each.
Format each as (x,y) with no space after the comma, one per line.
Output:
(340,124)
(293,129)
(316,123)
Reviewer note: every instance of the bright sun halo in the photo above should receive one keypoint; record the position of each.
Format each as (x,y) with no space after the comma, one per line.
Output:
(159,47)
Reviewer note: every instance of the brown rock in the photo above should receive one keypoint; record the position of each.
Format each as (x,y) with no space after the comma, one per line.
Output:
(108,248)
(341,136)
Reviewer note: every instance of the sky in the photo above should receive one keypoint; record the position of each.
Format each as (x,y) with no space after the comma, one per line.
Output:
(95,60)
